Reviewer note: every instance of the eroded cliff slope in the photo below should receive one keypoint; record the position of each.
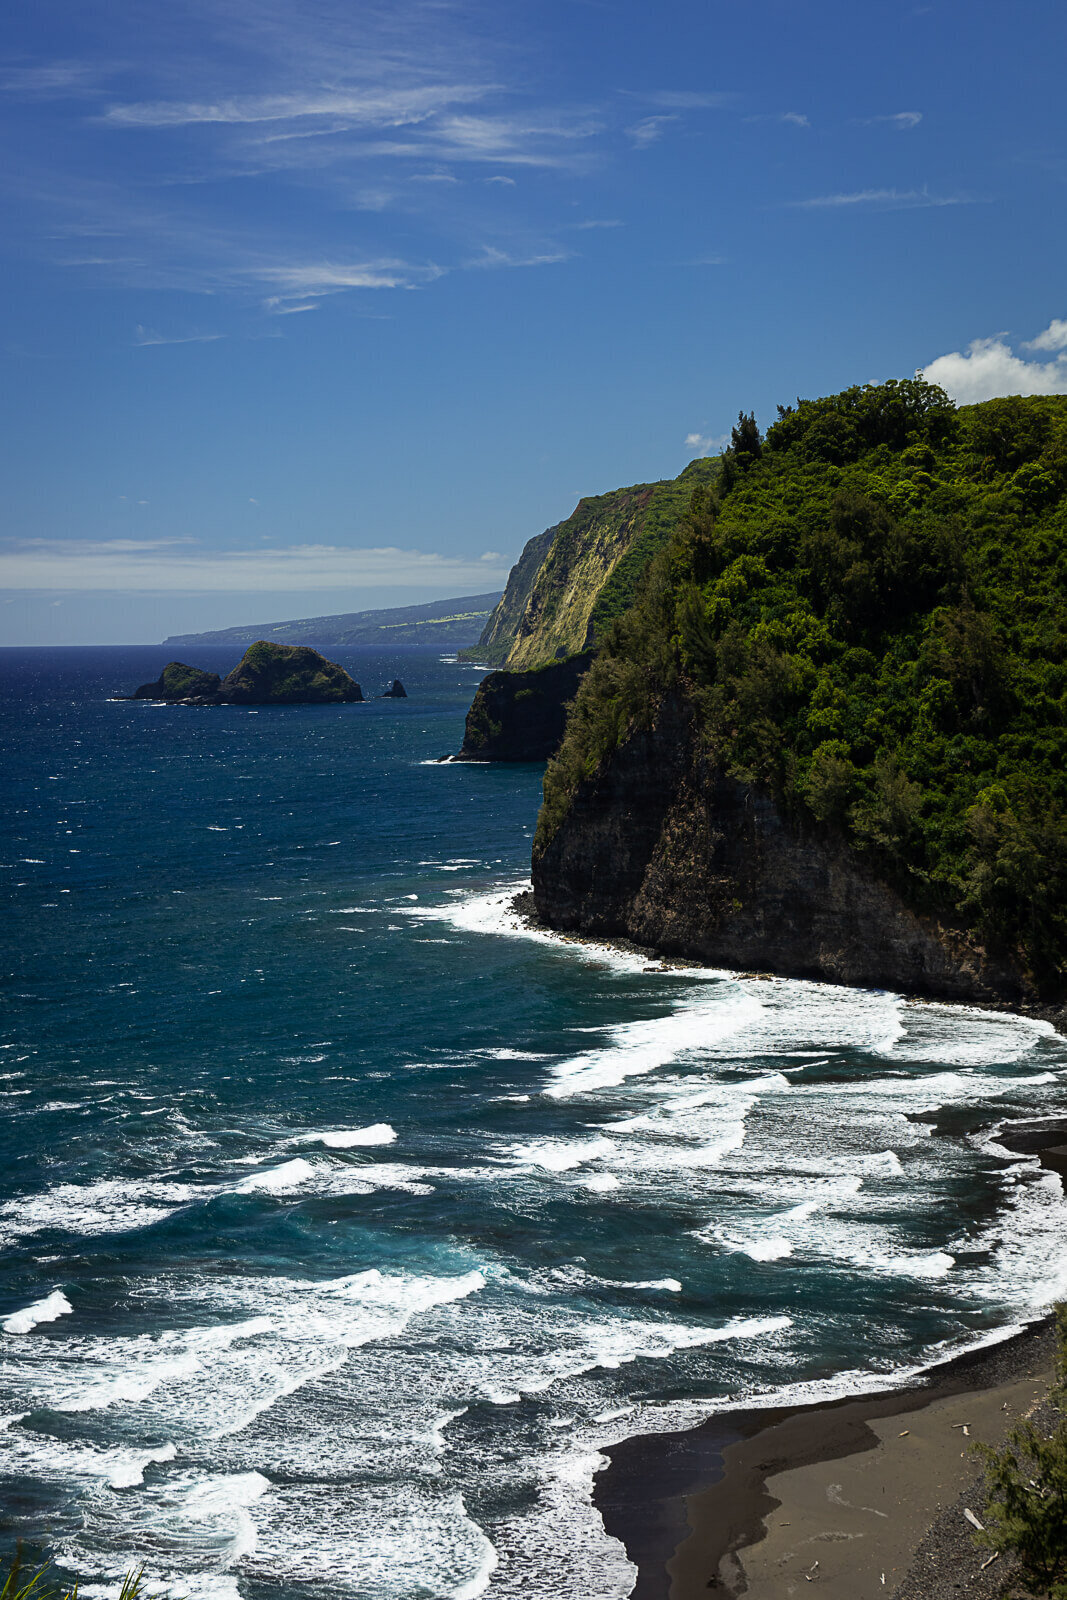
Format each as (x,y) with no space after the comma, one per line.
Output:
(572,580)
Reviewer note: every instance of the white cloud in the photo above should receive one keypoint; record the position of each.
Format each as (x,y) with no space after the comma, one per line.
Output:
(306,279)
(146,336)
(145,566)
(492,257)
(990,368)
(797,118)
(707,444)
(901,120)
(682,99)
(1054,337)
(648,130)
(56,78)
(381,108)
(889,199)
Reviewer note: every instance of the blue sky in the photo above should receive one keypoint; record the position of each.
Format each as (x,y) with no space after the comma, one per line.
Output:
(316,306)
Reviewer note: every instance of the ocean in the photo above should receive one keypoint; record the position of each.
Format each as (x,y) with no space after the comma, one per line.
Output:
(345,1222)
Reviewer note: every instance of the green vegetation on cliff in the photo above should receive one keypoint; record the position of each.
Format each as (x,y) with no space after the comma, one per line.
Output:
(868,618)
(573,580)
(502,625)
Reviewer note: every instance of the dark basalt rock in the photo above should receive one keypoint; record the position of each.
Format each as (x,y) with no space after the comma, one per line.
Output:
(396,692)
(663,848)
(179,682)
(519,716)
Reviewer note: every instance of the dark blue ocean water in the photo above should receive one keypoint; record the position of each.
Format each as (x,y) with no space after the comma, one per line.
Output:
(344,1223)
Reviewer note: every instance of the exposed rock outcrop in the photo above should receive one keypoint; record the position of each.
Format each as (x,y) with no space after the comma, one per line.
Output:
(662,848)
(396,691)
(179,682)
(520,716)
(500,629)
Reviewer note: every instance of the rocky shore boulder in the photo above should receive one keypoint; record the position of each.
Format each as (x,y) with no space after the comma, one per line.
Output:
(287,674)
(179,682)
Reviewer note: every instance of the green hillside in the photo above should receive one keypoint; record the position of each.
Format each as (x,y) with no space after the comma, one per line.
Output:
(440,623)
(868,618)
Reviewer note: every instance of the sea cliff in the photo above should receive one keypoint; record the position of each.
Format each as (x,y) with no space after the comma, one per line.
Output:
(664,848)
(830,737)
(520,716)
(572,580)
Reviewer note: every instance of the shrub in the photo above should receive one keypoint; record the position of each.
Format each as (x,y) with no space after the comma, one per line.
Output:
(1026,1493)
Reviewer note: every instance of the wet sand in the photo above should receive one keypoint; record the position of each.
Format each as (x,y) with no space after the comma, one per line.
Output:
(843,1495)
(864,1497)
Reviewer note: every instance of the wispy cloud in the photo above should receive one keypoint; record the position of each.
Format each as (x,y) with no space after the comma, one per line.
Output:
(597,222)
(491,256)
(305,280)
(147,336)
(990,368)
(648,130)
(379,108)
(682,99)
(135,566)
(50,80)
(887,199)
(900,120)
(797,119)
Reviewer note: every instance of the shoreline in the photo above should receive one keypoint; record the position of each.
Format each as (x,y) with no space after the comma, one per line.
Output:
(755,1497)
(1052,1012)
(756,1501)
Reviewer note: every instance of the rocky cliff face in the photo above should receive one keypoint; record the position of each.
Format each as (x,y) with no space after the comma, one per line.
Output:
(573,579)
(499,632)
(591,570)
(662,848)
(520,716)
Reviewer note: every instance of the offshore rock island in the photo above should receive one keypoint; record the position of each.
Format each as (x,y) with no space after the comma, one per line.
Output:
(829,736)
(267,675)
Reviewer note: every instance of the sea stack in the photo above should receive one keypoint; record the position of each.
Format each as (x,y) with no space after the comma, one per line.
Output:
(267,675)
(179,682)
(287,674)
(396,691)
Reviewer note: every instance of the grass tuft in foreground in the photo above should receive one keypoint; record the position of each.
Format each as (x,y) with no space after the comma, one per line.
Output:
(1026,1493)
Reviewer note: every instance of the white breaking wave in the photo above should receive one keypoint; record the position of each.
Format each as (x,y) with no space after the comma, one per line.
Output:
(347,1138)
(47,1310)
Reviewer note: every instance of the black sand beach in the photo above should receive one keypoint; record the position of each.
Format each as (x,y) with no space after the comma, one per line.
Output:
(863,1496)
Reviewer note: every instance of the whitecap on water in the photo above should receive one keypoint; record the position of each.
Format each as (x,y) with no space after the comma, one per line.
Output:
(49,1309)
